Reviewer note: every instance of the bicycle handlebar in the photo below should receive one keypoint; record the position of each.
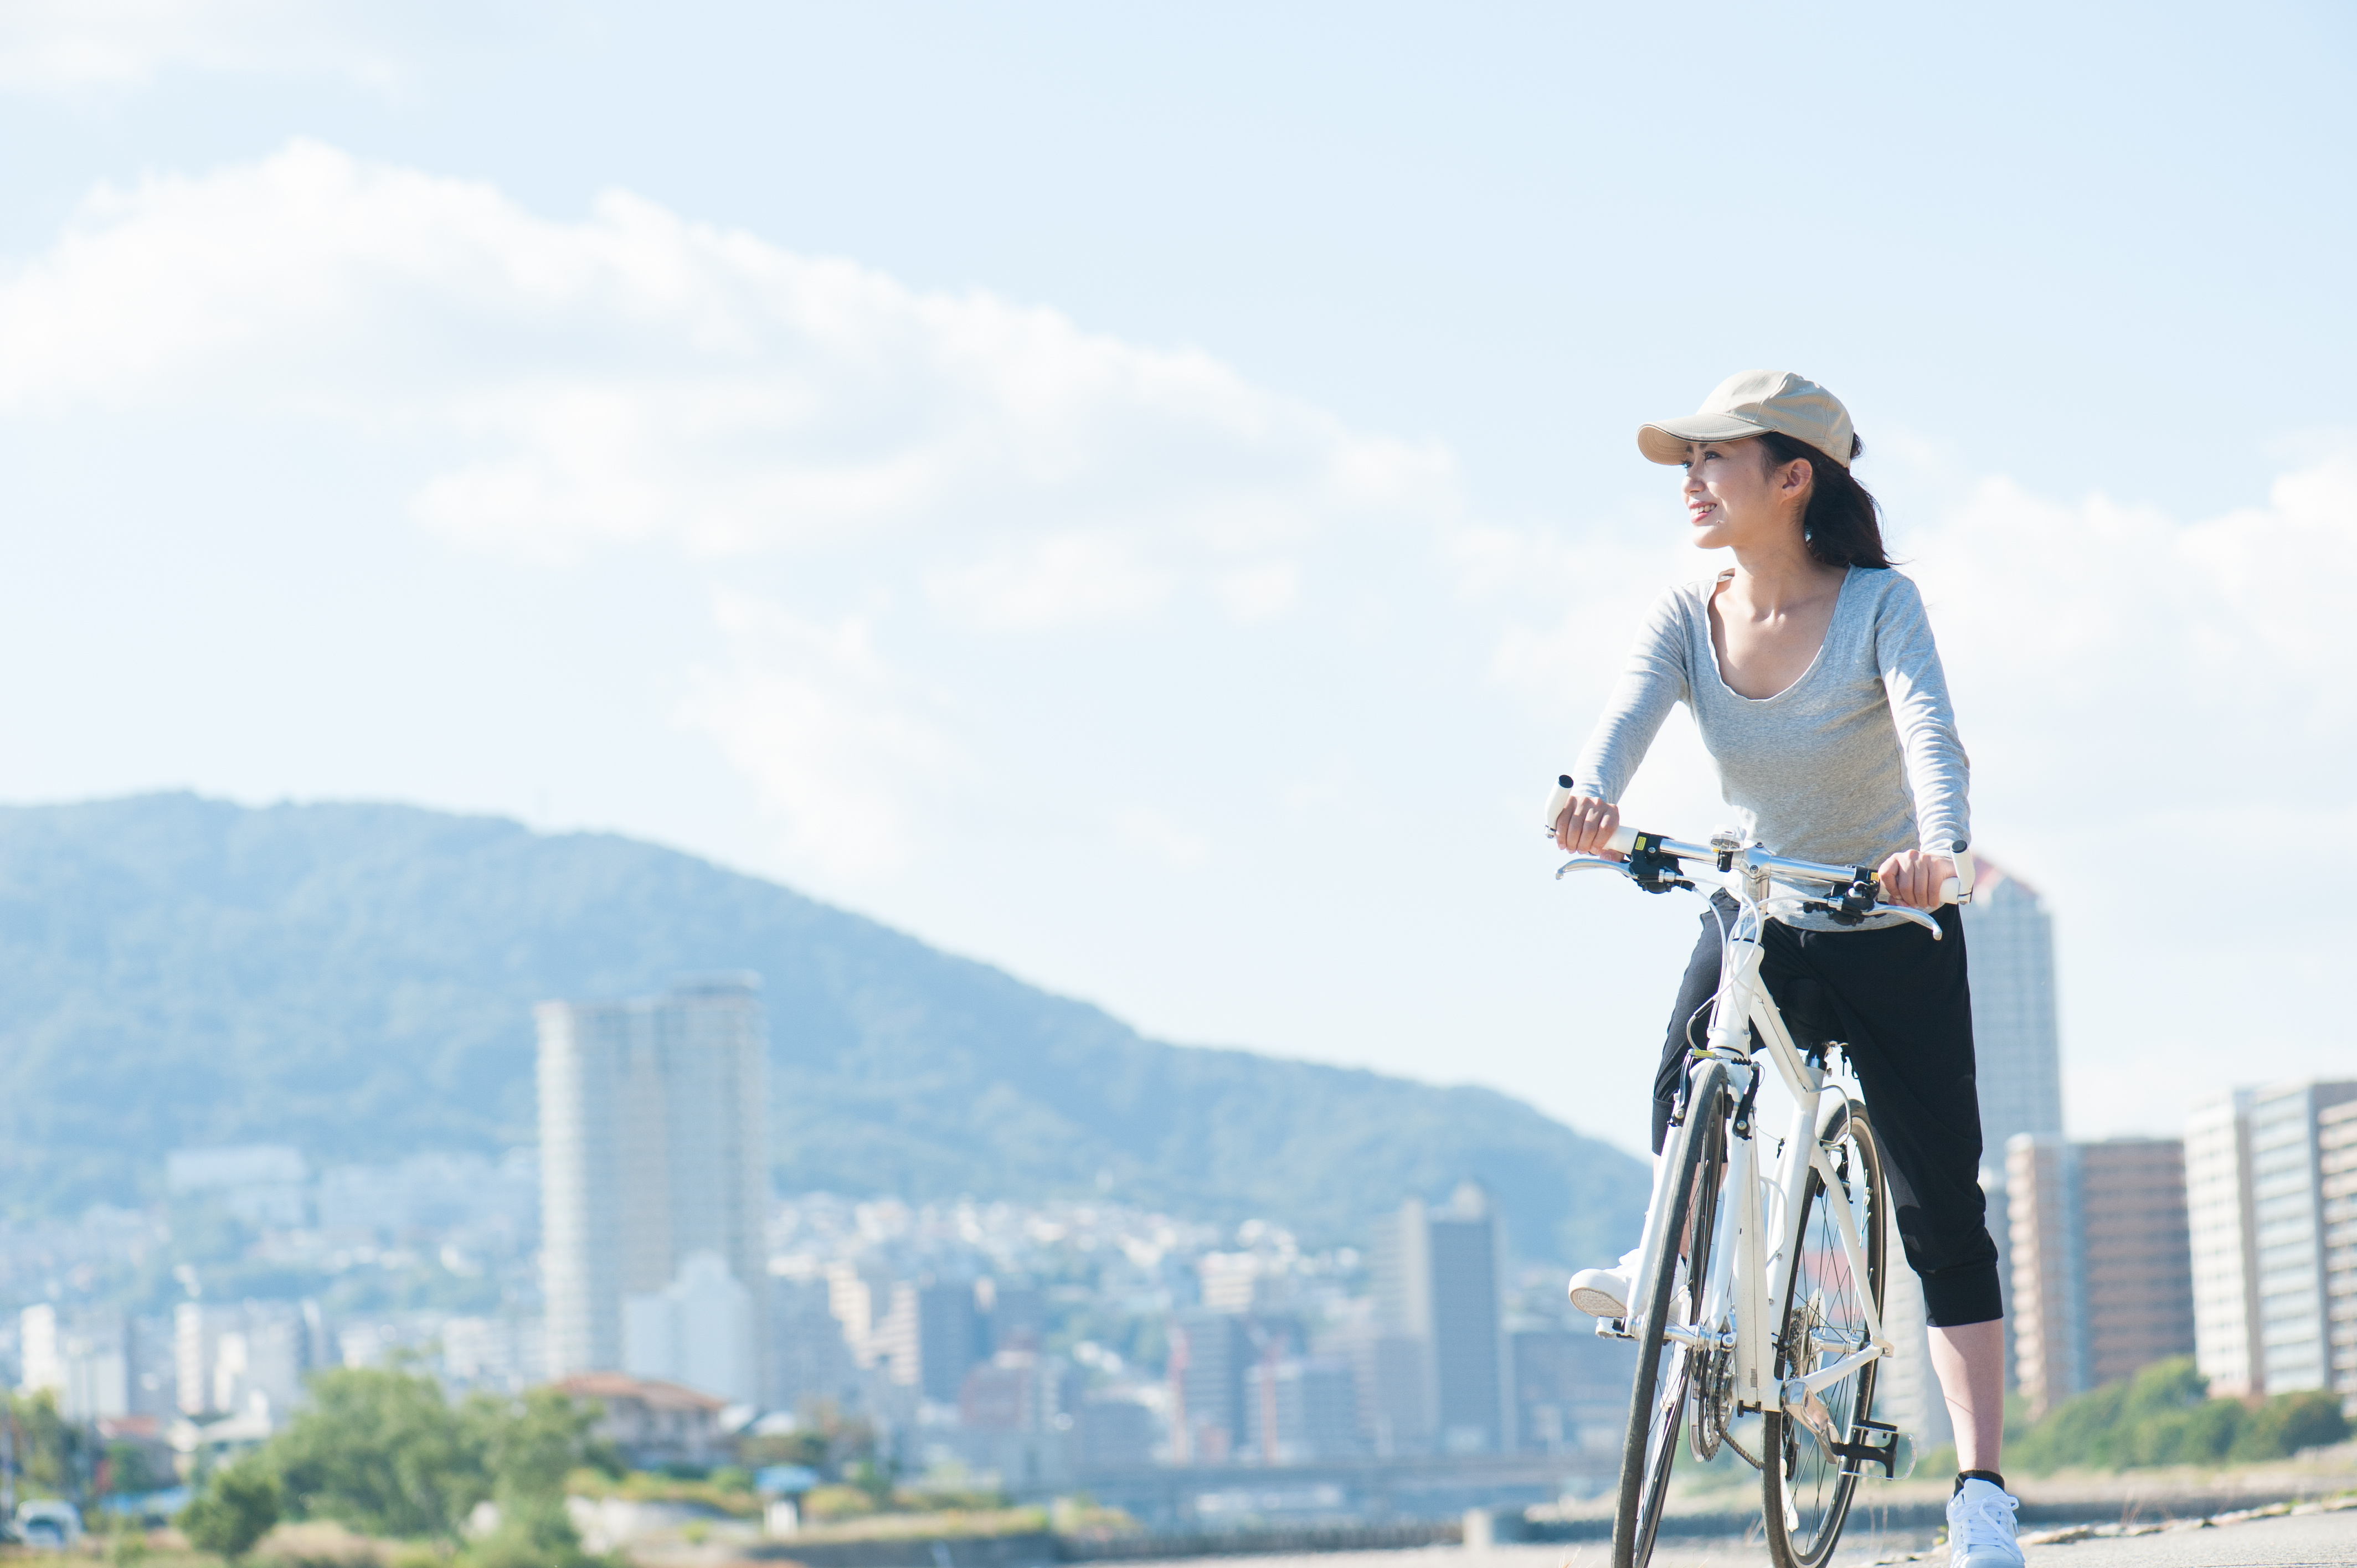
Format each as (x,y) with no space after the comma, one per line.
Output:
(1654,852)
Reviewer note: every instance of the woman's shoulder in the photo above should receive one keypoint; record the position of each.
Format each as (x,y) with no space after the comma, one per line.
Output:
(1681,606)
(1690,597)
(1885,590)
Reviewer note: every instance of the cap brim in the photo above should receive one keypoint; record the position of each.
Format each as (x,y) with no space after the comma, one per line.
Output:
(1667,442)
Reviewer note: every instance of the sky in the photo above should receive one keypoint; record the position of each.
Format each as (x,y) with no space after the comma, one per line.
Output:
(1147,497)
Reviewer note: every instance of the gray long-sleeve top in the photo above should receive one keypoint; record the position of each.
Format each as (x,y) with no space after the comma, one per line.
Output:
(1855,762)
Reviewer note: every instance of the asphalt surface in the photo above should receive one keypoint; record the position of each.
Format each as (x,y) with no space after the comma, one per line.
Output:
(2297,1541)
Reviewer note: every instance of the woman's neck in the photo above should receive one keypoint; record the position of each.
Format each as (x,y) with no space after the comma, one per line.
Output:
(1783,575)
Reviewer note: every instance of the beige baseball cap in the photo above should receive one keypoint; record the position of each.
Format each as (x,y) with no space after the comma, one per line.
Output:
(1748,404)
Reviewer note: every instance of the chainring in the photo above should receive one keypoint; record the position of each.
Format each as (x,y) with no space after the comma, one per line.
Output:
(1714,1403)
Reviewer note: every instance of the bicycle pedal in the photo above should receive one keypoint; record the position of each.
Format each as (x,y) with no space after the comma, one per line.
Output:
(1889,1454)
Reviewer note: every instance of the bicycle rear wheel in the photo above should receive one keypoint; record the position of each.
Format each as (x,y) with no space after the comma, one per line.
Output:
(1807,1493)
(1657,1399)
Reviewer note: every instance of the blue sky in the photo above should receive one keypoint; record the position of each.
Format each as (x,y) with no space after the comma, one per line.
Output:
(1148,498)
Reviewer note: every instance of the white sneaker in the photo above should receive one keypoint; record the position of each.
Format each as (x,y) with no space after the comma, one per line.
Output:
(1981,1527)
(1605,1293)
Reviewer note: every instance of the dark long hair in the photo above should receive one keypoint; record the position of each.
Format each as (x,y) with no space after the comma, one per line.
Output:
(1843,526)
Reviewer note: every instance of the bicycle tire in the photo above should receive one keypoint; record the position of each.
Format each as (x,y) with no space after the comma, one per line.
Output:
(1658,1394)
(1804,1531)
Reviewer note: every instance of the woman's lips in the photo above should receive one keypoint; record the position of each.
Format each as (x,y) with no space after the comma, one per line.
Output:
(1701,513)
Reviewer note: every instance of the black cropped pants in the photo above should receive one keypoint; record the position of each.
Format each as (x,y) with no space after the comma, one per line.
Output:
(1901,1005)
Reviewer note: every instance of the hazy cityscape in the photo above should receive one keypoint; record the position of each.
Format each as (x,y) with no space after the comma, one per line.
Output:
(639,1252)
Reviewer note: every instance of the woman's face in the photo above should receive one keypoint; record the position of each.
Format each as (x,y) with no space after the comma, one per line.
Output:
(1735,500)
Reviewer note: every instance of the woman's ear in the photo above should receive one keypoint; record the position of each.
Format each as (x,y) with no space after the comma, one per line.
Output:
(1796,478)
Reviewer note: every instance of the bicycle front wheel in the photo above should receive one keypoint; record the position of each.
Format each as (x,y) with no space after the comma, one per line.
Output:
(1808,1488)
(1657,1399)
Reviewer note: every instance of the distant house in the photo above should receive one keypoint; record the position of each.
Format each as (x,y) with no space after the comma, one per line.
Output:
(652,1423)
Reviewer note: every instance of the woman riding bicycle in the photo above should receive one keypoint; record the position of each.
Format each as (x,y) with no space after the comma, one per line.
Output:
(1811,672)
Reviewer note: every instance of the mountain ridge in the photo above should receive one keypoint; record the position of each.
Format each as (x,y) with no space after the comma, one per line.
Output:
(357,977)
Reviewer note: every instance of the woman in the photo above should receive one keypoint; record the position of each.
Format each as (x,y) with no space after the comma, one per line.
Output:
(1812,675)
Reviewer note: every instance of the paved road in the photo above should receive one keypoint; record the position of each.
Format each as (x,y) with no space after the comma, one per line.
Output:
(2302,1541)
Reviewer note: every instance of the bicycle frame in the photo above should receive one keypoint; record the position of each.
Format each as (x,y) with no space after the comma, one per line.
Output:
(1742,1279)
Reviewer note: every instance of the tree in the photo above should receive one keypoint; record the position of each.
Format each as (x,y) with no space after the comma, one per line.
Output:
(53,1455)
(236,1509)
(128,1472)
(380,1450)
(532,1445)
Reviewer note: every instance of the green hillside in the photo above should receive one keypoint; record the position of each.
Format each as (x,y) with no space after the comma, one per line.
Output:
(358,979)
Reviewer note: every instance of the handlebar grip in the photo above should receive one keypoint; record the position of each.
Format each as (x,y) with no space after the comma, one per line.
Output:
(1950,890)
(1623,840)
(1557,801)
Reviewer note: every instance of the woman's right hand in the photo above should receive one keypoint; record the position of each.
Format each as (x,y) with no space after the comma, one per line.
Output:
(1586,827)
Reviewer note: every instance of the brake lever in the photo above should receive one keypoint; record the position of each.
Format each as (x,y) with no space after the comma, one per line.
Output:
(1807,906)
(1909,912)
(1590,863)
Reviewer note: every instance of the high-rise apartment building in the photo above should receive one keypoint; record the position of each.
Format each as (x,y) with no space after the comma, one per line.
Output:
(2224,1232)
(1300,1410)
(84,1362)
(2336,1142)
(2103,1269)
(2287,1210)
(1391,1379)
(2015,1042)
(1440,1278)
(808,1357)
(226,1355)
(1209,1352)
(930,1335)
(2017,1047)
(653,1149)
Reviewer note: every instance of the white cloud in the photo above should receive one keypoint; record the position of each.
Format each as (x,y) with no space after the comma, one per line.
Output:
(635,376)
(633,380)
(2121,634)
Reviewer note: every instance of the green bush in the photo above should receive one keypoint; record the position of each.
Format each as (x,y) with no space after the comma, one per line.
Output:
(2290,1422)
(2164,1416)
(237,1508)
(833,1502)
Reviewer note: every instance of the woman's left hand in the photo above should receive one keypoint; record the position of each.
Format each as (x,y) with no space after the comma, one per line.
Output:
(1914,878)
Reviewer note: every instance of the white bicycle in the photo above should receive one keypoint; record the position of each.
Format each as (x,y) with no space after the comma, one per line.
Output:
(1757,1285)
